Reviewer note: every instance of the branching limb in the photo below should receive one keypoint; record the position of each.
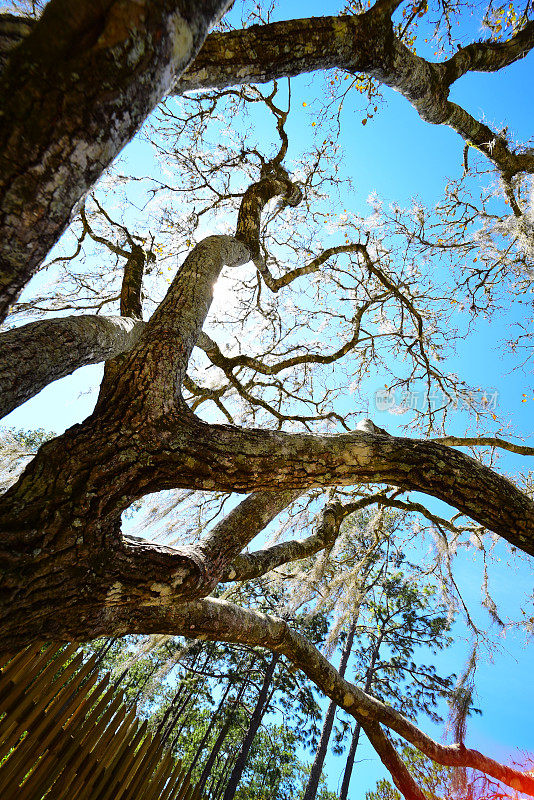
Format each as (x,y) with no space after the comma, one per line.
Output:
(175,327)
(218,620)
(489,56)
(405,505)
(485,441)
(258,563)
(362,44)
(275,284)
(228,363)
(219,548)
(232,459)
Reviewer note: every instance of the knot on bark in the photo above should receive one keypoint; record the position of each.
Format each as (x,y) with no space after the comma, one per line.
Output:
(293,193)
(233,252)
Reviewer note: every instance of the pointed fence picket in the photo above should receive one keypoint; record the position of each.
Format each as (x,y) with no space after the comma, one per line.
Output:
(65,735)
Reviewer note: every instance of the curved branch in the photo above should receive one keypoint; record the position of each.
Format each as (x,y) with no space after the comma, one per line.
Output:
(218,620)
(485,441)
(362,44)
(275,284)
(228,363)
(228,538)
(274,182)
(233,459)
(254,565)
(489,56)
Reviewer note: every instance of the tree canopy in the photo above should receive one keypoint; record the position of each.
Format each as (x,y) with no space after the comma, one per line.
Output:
(246,315)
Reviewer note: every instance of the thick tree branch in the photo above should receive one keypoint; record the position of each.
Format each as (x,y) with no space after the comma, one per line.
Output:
(251,460)
(485,441)
(232,534)
(262,53)
(36,354)
(274,182)
(73,92)
(218,620)
(143,455)
(392,761)
(489,56)
(258,563)
(175,327)
(362,44)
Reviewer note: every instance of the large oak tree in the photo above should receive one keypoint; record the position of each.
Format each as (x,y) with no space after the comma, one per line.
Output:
(75,87)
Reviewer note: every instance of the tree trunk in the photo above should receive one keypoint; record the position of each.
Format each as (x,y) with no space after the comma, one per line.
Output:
(217,787)
(175,708)
(322,749)
(255,721)
(223,733)
(210,726)
(72,94)
(357,728)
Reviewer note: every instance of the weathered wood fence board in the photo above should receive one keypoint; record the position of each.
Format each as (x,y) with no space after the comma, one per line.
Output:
(65,735)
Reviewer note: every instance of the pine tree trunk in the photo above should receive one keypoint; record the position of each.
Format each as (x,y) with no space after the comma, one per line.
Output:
(357,728)
(255,721)
(322,749)
(217,787)
(223,733)
(211,724)
(176,706)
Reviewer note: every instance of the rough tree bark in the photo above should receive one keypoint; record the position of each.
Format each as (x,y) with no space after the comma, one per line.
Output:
(73,92)
(138,51)
(363,44)
(36,354)
(78,85)
(66,564)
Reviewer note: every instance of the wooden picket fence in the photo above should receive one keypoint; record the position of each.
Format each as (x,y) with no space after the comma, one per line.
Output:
(66,734)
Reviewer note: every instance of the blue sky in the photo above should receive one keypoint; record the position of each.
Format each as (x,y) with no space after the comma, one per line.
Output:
(398,156)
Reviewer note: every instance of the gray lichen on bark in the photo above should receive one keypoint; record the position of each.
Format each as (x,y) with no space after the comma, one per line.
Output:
(36,354)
